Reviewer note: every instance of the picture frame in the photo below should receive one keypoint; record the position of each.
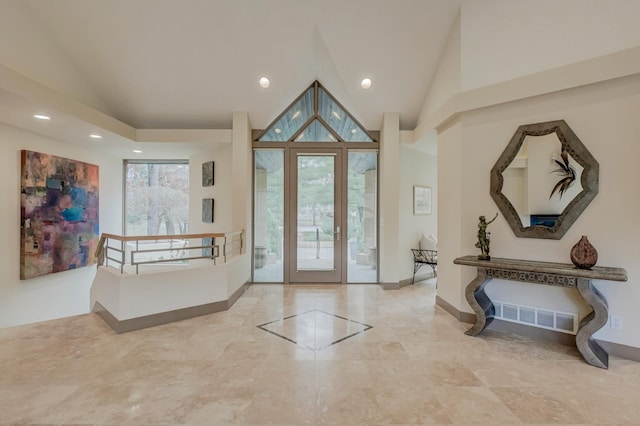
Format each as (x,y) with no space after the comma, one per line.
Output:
(421,200)
(207,210)
(208,173)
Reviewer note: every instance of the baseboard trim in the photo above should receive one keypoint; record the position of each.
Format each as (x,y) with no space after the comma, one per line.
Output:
(161,318)
(453,311)
(410,281)
(533,332)
(236,294)
(106,316)
(510,327)
(390,286)
(621,351)
(614,349)
(406,282)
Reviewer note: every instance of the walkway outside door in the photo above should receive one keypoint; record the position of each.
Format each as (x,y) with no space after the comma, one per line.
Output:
(316,228)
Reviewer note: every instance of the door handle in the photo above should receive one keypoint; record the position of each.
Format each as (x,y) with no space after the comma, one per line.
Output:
(337,233)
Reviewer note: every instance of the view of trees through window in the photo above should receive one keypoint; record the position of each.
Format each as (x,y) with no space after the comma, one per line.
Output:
(156,198)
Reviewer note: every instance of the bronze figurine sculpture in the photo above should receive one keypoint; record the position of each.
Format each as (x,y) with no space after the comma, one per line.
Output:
(484,237)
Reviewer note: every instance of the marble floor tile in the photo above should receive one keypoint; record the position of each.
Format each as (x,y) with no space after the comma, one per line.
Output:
(538,405)
(474,405)
(414,366)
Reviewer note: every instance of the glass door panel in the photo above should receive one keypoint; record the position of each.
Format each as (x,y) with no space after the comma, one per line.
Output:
(362,217)
(268,224)
(316,229)
(316,211)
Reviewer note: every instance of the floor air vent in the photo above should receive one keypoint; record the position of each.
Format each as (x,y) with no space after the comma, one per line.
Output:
(536,317)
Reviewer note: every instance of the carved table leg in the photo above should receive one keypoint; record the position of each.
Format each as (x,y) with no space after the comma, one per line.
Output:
(479,302)
(589,348)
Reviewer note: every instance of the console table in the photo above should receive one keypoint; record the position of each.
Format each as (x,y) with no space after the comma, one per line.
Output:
(548,273)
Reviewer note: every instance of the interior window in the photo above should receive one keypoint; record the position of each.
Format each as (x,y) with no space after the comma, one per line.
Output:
(156,197)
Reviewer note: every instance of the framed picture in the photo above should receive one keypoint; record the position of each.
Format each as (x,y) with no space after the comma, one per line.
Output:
(421,200)
(207,173)
(207,210)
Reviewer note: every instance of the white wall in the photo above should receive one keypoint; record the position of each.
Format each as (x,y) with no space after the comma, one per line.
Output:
(132,296)
(450,215)
(388,250)
(603,118)
(476,125)
(220,154)
(506,39)
(64,293)
(446,80)
(240,178)
(67,293)
(416,168)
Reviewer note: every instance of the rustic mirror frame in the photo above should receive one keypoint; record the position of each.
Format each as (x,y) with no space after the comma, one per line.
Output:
(589,179)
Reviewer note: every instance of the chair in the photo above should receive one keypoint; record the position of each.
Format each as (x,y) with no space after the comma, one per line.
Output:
(424,257)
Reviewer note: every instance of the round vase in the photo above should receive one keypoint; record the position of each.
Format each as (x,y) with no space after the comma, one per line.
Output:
(583,254)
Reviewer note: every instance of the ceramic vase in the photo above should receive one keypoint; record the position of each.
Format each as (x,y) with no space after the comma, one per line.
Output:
(583,254)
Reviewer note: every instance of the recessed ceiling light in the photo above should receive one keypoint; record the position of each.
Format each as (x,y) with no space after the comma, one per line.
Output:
(137,151)
(353,131)
(41,117)
(95,136)
(277,130)
(365,83)
(264,82)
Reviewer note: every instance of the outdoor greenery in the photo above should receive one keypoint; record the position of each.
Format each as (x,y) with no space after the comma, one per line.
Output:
(315,202)
(315,192)
(157,199)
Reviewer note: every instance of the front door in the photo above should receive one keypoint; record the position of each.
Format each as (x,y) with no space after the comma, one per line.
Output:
(316,228)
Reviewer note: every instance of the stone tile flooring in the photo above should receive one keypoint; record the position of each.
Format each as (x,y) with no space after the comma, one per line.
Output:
(314,329)
(414,366)
(273,273)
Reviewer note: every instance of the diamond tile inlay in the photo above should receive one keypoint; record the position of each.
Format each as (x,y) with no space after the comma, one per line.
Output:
(314,329)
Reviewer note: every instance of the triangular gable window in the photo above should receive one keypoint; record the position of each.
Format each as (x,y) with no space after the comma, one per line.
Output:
(315,132)
(315,116)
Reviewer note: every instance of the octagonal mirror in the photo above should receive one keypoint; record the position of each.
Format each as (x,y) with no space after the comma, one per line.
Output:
(543,180)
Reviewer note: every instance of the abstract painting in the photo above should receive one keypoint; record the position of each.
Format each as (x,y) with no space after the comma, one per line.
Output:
(59,214)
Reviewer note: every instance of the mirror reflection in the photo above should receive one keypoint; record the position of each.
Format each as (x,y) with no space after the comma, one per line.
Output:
(541,180)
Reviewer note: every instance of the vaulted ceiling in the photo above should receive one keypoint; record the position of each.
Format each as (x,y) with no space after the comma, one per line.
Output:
(168,64)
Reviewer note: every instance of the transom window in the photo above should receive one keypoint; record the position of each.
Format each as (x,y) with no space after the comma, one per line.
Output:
(315,116)
(315,216)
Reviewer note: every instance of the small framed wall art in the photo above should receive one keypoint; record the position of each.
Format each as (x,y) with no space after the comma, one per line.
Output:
(421,200)
(207,173)
(207,210)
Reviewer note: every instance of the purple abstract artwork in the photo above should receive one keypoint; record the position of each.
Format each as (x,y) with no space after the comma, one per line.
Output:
(59,220)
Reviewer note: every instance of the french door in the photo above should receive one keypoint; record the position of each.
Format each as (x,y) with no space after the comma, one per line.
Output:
(316,226)
(315,215)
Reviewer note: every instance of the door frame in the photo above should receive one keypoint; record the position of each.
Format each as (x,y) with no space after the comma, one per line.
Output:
(288,149)
(321,276)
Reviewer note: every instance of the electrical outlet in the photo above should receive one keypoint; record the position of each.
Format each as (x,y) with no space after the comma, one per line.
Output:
(616,322)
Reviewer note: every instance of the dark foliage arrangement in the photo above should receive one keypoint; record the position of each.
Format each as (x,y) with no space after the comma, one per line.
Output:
(567,172)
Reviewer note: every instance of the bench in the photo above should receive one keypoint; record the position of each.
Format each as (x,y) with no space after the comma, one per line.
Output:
(424,257)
